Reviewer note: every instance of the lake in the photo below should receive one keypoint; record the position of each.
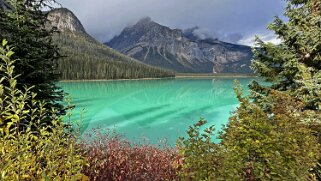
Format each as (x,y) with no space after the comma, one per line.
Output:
(153,110)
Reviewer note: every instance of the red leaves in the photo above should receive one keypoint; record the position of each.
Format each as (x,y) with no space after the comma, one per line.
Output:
(112,158)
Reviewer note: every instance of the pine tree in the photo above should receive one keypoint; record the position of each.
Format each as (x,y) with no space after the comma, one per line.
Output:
(295,64)
(23,25)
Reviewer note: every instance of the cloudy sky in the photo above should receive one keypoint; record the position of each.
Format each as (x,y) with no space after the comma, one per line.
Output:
(236,21)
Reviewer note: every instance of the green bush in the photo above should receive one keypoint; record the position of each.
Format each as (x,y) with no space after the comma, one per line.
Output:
(255,145)
(276,145)
(201,159)
(30,149)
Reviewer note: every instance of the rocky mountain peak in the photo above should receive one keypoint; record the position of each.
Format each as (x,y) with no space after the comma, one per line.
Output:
(181,51)
(145,25)
(145,30)
(65,20)
(145,20)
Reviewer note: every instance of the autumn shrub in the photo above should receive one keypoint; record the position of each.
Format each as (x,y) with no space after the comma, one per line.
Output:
(111,157)
(255,145)
(29,148)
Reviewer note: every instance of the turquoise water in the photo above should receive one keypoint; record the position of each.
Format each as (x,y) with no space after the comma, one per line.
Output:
(152,110)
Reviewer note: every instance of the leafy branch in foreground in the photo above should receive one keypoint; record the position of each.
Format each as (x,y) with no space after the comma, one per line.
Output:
(31,150)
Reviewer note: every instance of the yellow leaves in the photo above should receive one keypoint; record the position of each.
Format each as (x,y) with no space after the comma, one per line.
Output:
(3,174)
(84,178)
(13,117)
(1,88)
(49,156)
(7,128)
(4,42)
(26,177)
(37,153)
(71,147)
(81,177)
(9,53)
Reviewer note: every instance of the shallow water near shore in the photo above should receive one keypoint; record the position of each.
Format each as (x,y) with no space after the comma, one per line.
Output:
(152,110)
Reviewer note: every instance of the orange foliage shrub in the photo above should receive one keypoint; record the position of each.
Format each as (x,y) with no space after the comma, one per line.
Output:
(111,157)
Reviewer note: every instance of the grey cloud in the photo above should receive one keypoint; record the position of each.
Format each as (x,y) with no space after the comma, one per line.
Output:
(234,37)
(225,19)
(200,34)
(197,33)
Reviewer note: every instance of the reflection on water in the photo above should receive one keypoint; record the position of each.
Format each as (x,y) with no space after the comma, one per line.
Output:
(154,109)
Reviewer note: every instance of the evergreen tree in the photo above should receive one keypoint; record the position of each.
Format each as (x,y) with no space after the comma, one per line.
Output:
(295,64)
(23,25)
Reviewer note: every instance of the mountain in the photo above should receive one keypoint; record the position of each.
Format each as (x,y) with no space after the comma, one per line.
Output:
(65,21)
(86,58)
(181,51)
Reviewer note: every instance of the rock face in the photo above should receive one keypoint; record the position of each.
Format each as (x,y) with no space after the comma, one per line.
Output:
(65,20)
(4,5)
(180,51)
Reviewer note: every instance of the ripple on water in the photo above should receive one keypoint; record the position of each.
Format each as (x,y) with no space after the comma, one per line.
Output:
(153,109)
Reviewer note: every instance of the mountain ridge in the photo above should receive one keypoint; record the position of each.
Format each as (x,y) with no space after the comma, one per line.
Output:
(86,58)
(161,46)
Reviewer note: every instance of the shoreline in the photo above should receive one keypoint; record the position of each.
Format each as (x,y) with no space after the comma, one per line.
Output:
(179,76)
(217,76)
(98,80)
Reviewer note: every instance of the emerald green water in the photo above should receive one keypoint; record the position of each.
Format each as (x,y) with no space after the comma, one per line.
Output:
(152,109)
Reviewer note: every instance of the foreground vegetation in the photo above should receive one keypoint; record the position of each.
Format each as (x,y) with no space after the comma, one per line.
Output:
(273,135)
(111,157)
(30,148)
(35,53)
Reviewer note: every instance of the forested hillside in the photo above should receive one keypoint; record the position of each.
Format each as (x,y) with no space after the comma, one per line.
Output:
(85,58)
